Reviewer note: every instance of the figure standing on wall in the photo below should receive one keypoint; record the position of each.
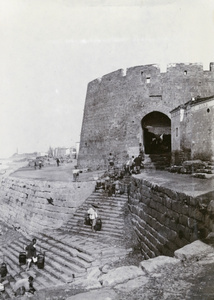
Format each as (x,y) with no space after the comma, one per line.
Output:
(76,174)
(111,160)
(141,152)
(40,164)
(57,162)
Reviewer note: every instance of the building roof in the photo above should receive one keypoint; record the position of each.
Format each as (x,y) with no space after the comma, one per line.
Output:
(192,102)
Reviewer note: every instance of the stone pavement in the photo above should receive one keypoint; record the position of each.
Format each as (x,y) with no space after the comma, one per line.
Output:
(189,275)
(179,182)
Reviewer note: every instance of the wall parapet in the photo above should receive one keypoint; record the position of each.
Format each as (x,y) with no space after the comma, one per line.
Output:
(136,70)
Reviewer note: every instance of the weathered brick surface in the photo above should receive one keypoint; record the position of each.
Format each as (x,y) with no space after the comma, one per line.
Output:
(166,220)
(25,202)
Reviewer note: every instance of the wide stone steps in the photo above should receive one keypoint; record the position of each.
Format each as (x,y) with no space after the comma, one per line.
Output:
(62,264)
(72,250)
(111,211)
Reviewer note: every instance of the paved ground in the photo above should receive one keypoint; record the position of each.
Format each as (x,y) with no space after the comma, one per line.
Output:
(179,182)
(54,173)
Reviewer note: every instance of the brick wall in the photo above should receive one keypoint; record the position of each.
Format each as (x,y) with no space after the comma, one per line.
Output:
(24,203)
(165,220)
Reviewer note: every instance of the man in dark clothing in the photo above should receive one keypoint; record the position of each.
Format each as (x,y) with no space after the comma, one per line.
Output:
(3,271)
(31,253)
(137,162)
(57,162)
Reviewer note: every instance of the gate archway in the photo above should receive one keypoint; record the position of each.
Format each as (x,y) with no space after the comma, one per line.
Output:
(156,128)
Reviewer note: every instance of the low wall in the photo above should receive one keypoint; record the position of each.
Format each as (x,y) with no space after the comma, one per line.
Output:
(165,220)
(24,203)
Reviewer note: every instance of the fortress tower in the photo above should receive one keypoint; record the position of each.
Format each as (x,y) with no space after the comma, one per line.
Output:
(126,109)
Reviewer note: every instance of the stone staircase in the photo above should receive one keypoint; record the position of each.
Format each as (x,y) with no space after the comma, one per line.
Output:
(157,161)
(71,251)
(111,211)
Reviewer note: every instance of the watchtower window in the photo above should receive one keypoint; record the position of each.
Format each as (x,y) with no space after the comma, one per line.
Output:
(185,72)
(176,133)
(147,79)
(141,74)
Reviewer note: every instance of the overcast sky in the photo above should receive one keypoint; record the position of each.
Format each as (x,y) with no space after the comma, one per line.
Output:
(51,49)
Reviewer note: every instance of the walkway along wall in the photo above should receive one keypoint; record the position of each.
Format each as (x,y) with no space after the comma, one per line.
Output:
(165,220)
(37,205)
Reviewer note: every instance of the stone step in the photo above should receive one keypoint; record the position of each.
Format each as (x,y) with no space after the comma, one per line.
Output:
(77,261)
(14,253)
(102,214)
(101,233)
(56,264)
(44,273)
(68,243)
(73,249)
(11,261)
(105,205)
(114,199)
(110,229)
(15,269)
(100,196)
(80,220)
(106,224)
(67,264)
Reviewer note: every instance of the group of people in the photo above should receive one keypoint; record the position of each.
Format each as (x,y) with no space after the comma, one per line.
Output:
(25,285)
(38,163)
(133,165)
(111,187)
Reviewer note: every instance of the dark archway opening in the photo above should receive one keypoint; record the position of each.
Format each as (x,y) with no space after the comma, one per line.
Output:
(156,133)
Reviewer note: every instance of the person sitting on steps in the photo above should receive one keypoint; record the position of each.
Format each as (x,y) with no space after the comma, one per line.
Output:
(92,216)
(3,272)
(23,286)
(31,253)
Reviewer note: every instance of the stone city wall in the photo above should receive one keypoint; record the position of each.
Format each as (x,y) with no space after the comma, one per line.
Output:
(165,220)
(116,104)
(24,203)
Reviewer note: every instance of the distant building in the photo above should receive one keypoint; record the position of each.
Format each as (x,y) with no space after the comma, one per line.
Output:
(61,151)
(42,153)
(64,151)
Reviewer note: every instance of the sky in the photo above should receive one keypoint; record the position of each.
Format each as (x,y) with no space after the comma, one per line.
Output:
(51,49)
